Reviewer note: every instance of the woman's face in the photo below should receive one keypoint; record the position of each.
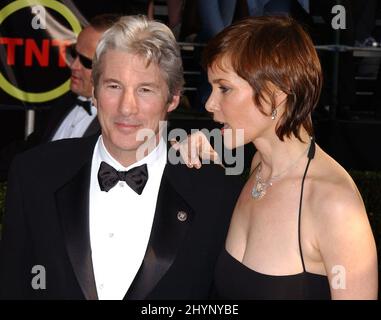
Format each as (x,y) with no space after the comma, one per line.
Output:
(232,105)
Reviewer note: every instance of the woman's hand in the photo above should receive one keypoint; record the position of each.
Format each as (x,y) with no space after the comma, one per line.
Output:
(195,150)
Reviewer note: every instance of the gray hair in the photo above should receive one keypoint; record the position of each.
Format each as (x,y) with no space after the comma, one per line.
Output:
(151,40)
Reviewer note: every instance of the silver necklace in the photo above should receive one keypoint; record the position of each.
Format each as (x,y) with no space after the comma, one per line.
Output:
(260,187)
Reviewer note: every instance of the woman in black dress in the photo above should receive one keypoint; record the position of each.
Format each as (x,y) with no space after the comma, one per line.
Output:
(299,229)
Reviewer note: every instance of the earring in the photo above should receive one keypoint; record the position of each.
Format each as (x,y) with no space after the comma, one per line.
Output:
(273,114)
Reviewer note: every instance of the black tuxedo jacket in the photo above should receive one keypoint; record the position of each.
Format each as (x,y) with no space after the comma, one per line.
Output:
(47,224)
(43,134)
(54,119)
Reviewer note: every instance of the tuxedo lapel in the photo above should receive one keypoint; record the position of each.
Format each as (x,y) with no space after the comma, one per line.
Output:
(173,217)
(72,201)
(93,128)
(58,113)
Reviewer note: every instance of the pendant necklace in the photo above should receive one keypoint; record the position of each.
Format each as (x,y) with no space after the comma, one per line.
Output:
(260,187)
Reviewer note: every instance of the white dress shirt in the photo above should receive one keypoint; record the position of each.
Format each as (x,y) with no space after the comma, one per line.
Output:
(121,221)
(75,123)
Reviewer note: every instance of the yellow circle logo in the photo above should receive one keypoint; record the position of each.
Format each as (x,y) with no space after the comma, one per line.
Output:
(76,27)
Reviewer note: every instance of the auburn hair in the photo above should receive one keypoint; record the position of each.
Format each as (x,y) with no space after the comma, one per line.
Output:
(272,51)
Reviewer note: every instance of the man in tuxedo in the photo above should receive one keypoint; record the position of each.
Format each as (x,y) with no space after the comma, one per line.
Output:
(109,216)
(74,115)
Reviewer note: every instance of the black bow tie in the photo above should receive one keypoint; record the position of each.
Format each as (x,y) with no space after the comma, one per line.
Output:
(136,177)
(85,104)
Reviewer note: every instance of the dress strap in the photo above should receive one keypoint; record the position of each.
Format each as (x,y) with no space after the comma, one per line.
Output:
(310,155)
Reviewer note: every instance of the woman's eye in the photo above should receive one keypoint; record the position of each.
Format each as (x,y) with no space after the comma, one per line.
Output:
(224,89)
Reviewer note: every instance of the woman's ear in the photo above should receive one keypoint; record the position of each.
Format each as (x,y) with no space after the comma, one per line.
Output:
(280,97)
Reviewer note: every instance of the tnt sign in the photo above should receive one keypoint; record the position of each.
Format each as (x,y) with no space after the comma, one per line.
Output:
(33,51)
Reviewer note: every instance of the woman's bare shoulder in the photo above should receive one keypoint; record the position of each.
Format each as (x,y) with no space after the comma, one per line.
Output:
(333,193)
(341,228)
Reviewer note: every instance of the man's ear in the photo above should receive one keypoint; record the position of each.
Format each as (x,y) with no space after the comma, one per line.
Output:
(94,99)
(174,103)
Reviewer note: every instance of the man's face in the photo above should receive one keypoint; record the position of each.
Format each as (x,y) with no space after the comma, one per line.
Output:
(80,75)
(130,97)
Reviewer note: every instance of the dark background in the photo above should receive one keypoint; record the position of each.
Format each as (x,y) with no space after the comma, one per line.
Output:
(351,137)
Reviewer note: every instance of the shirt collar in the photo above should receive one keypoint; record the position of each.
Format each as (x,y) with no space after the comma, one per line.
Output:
(84,98)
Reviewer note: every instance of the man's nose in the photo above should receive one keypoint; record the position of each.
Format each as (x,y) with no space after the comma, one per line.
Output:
(129,103)
(75,64)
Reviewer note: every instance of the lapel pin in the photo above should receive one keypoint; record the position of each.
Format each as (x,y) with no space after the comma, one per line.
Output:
(182,216)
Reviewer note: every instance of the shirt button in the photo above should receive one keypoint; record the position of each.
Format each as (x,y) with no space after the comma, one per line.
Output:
(111,235)
(121,184)
(101,286)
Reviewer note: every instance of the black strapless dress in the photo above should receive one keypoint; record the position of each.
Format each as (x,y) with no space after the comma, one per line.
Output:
(233,280)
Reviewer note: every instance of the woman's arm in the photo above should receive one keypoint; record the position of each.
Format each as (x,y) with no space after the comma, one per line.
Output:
(347,245)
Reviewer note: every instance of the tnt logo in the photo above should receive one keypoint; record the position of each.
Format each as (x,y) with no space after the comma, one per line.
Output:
(33,49)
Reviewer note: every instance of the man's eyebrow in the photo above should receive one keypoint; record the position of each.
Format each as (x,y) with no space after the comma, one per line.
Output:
(107,80)
(149,84)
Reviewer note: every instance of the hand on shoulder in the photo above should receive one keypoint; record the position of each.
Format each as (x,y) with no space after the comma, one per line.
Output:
(195,149)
